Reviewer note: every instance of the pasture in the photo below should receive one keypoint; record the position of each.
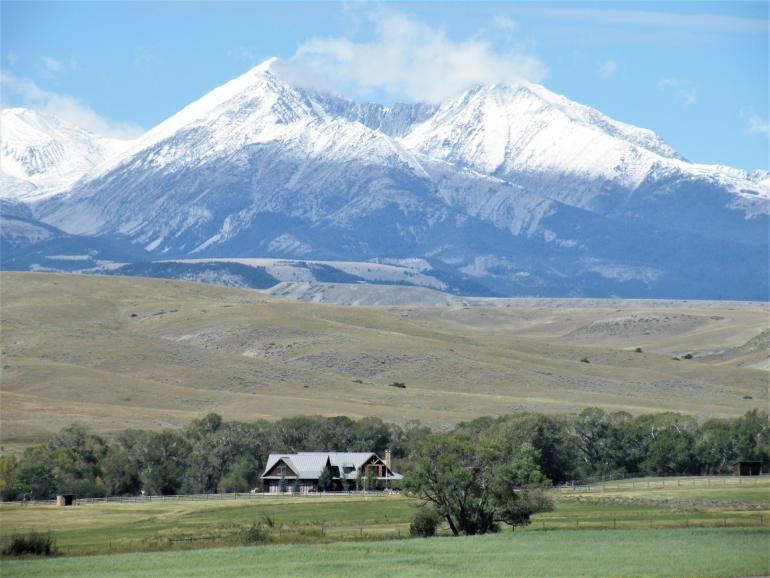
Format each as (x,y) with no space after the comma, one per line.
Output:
(105,527)
(663,552)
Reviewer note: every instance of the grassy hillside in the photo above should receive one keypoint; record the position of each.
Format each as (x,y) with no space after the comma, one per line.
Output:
(148,353)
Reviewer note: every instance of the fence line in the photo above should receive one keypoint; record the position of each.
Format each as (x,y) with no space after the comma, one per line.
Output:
(576,487)
(660,483)
(205,497)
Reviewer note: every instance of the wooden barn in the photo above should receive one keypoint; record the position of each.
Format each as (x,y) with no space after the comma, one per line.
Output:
(346,470)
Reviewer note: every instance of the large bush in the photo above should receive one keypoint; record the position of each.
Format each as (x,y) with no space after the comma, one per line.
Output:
(257,533)
(424,522)
(30,544)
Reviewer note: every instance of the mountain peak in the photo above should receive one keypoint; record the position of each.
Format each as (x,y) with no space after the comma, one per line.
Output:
(43,155)
(523,128)
(266,66)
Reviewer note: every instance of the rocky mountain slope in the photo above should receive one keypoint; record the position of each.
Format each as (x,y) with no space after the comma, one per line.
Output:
(511,186)
(42,155)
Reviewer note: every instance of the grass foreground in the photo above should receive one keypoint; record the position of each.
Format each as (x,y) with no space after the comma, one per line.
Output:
(183,524)
(664,552)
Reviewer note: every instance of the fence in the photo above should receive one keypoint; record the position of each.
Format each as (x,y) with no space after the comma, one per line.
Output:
(204,497)
(661,483)
(574,487)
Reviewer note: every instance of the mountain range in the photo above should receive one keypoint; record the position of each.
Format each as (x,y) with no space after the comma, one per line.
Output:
(507,189)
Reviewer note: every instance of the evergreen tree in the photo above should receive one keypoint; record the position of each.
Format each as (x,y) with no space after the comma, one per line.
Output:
(325,480)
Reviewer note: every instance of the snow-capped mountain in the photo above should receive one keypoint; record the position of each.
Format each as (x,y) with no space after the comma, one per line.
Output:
(258,166)
(531,136)
(42,155)
(511,186)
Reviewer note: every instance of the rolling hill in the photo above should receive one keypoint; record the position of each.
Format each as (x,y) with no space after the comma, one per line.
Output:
(118,352)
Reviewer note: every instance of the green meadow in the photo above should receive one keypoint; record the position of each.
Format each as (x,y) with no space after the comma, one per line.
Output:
(666,552)
(109,527)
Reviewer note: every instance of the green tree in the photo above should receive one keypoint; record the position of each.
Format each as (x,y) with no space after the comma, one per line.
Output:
(548,435)
(120,472)
(35,478)
(671,445)
(242,476)
(473,485)
(296,487)
(165,463)
(8,465)
(325,480)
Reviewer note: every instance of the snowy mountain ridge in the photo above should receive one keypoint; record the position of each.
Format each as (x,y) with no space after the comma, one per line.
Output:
(512,185)
(526,134)
(42,156)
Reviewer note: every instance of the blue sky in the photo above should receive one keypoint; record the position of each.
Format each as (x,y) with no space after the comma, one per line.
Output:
(695,73)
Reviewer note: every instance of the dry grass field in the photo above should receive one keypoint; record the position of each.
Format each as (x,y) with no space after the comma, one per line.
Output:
(119,352)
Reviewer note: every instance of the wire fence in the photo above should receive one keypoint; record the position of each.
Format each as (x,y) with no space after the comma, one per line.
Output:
(205,497)
(662,483)
(573,487)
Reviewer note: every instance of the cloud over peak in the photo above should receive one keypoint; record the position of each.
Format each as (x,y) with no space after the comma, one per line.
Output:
(68,108)
(408,60)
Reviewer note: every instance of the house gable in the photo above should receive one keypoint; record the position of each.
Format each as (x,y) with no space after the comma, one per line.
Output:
(282,468)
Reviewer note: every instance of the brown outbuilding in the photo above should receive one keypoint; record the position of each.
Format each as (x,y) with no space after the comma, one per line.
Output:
(65,500)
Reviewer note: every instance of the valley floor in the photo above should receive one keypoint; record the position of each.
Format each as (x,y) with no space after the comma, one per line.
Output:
(686,526)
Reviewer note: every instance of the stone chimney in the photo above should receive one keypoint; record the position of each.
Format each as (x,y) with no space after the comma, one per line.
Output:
(387,458)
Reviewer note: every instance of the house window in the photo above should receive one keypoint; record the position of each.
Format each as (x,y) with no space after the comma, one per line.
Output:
(280,470)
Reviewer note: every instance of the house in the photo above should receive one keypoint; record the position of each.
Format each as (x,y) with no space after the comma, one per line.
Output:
(345,468)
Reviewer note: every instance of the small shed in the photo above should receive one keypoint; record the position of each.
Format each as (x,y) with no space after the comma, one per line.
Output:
(748,468)
(65,500)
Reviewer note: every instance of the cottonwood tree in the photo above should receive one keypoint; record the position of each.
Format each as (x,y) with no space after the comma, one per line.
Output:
(473,485)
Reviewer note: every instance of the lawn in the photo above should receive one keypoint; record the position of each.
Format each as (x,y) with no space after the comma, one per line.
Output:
(663,552)
(114,527)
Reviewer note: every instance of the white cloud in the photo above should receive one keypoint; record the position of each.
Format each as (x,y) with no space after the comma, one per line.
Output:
(66,107)
(505,23)
(407,59)
(51,66)
(662,19)
(755,124)
(683,89)
(608,68)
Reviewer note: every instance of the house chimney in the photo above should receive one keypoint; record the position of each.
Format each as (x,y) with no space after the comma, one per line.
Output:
(387,458)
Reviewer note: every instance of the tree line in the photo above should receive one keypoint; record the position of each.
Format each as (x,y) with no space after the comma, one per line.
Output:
(527,450)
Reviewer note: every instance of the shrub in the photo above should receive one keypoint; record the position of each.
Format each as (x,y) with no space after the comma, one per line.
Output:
(257,533)
(30,544)
(398,384)
(424,522)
